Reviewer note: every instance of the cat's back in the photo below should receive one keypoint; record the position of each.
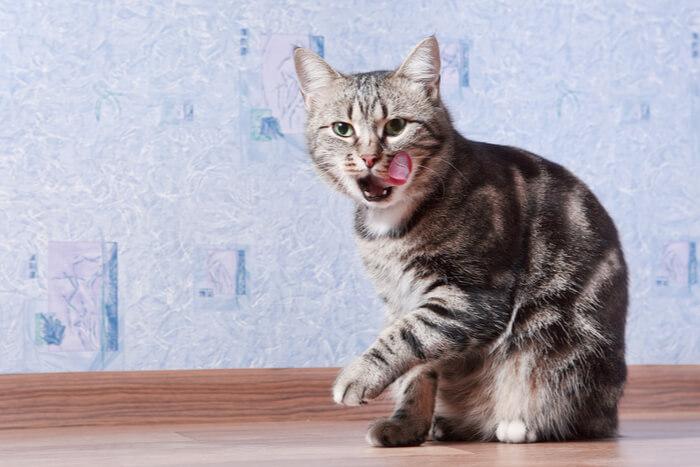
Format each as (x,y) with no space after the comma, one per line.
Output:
(544,195)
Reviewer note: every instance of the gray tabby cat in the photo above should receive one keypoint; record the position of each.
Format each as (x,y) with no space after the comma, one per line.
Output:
(503,276)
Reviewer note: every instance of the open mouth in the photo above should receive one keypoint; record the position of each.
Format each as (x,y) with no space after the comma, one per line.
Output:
(373,189)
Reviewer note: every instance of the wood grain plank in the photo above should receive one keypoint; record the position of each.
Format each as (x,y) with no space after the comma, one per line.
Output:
(661,388)
(643,443)
(197,396)
(206,396)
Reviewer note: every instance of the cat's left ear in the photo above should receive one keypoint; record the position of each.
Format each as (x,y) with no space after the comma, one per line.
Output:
(313,73)
(423,66)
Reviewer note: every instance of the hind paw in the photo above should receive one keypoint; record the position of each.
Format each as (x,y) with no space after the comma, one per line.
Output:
(515,431)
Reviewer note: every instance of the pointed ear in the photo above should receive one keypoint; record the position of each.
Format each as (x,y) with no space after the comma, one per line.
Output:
(313,74)
(423,65)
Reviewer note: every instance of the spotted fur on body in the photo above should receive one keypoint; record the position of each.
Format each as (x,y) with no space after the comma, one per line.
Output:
(503,276)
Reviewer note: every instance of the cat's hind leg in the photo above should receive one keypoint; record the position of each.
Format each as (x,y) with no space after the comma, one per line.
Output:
(551,401)
(410,423)
(515,431)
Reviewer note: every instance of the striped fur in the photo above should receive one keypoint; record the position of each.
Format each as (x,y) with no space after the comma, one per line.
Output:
(503,276)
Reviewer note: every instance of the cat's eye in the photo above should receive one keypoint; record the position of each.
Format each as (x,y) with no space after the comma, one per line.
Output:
(343,129)
(395,126)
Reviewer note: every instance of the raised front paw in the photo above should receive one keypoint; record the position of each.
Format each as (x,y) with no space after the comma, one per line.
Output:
(357,383)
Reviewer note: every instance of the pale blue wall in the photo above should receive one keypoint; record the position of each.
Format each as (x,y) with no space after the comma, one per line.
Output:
(157,210)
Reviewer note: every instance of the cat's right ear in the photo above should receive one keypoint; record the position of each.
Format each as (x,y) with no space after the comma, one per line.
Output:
(313,73)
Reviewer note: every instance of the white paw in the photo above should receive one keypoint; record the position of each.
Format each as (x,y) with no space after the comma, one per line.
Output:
(357,383)
(515,432)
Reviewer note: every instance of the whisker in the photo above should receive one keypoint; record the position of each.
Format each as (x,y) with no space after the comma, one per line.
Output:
(442,181)
(446,161)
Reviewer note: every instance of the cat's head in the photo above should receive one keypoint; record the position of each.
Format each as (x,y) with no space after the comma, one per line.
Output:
(375,136)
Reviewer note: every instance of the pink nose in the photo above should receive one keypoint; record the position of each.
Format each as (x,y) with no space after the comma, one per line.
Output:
(369,159)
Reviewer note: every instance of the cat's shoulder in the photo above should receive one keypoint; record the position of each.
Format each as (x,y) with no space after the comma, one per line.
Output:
(508,158)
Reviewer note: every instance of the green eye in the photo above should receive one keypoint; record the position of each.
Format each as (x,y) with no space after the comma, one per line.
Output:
(343,129)
(395,126)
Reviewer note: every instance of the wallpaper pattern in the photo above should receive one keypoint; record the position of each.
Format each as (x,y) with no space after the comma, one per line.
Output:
(157,210)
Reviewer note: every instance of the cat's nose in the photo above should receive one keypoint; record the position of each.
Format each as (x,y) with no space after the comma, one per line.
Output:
(369,159)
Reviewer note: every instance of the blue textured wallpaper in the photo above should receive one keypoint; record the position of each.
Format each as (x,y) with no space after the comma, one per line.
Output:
(157,210)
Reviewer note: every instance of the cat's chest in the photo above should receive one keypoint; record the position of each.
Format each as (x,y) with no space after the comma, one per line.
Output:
(388,265)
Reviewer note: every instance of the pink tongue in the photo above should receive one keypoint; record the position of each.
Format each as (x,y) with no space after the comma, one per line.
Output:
(400,168)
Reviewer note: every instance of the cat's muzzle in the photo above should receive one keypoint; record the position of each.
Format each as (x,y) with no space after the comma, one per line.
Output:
(373,189)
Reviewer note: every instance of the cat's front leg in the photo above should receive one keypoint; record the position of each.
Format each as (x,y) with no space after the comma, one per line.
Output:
(360,381)
(415,403)
(368,375)
(422,336)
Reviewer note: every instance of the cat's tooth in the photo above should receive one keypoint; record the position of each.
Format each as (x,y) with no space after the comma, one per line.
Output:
(385,191)
(367,193)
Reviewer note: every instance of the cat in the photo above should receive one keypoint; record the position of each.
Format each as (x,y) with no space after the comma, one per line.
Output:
(503,276)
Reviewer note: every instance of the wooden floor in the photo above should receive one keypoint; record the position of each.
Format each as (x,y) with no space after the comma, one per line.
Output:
(668,440)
